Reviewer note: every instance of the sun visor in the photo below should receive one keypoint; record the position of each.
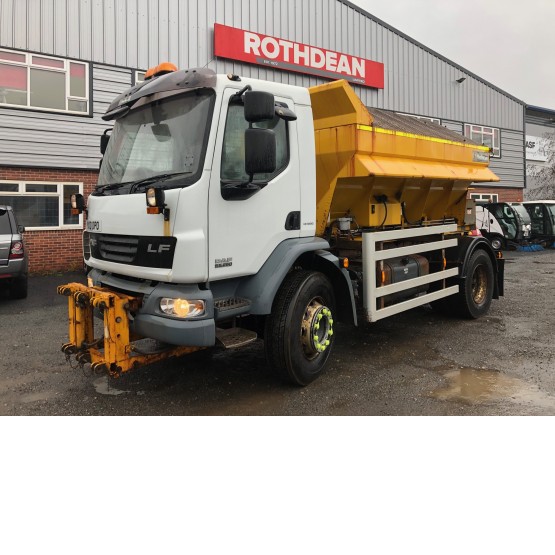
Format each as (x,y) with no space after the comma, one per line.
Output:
(183,80)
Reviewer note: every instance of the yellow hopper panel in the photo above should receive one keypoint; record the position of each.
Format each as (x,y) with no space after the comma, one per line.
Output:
(360,166)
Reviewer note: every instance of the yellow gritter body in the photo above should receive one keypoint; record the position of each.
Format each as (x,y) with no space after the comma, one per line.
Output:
(357,161)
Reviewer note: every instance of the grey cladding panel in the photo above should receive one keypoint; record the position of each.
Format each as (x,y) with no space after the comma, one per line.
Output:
(510,167)
(141,33)
(455,126)
(32,138)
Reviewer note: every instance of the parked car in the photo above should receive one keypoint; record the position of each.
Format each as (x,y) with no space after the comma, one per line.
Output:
(542,214)
(505,224)
(13,255)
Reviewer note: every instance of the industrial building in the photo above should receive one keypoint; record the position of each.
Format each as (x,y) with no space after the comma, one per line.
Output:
(63,61)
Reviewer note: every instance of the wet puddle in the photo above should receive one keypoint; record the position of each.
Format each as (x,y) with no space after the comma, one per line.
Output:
(102,386)
(476,385)
(38,396)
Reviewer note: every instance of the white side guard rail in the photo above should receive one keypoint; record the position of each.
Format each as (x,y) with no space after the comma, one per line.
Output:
(373,252)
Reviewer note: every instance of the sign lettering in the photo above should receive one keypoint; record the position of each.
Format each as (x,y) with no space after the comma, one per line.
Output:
(254,48)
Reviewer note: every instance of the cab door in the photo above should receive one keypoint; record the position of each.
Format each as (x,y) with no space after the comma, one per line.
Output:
(245,229)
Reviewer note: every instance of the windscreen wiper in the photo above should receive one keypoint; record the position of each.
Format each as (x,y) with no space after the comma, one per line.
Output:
(154,179)
(147,181)
(100,189)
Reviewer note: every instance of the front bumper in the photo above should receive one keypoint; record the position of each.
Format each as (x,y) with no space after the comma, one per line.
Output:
(149,321)
(116,350)
(14,269)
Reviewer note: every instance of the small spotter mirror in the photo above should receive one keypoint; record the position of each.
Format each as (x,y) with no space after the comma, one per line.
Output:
(284,113)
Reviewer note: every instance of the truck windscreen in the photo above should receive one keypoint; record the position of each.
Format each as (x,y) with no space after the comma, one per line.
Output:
(162,137)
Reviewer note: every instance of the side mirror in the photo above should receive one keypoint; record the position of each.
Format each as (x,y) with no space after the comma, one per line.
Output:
(104,139)
(260,151)
(259,106)
(21,228)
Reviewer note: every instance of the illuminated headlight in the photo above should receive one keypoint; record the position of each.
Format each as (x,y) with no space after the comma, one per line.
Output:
(182,308)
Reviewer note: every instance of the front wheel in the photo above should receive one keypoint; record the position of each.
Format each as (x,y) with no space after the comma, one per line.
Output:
(299,332)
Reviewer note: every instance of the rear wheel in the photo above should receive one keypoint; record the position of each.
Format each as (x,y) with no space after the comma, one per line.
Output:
(475,297)
(299,332)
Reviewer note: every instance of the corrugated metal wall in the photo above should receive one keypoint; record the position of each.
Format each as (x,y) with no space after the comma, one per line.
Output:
(141,33)
(42,139)
(510,167)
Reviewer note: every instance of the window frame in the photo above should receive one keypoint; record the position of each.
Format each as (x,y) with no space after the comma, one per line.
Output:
(66,70)
(260,182)
(59,194)
(136,73)
(482,198)
(469,126)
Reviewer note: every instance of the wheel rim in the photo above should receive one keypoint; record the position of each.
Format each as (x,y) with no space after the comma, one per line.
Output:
(316,328)
(479,285)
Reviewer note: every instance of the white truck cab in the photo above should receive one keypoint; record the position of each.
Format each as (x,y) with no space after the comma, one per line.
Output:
(229,209)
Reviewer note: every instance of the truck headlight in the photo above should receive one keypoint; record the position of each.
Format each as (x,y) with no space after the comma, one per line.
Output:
(182,308)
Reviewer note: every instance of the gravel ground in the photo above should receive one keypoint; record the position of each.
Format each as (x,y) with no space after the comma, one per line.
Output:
(417,363)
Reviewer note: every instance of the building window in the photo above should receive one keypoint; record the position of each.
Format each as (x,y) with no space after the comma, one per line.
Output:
(42,205)
(139,77)
(487,136)
(43,83)
(422,118)
(484,198)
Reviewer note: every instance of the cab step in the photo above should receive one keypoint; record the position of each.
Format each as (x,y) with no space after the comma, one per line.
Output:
(233,338)
(232,306)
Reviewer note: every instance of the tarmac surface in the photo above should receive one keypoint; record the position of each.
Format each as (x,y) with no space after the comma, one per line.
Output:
(416,363)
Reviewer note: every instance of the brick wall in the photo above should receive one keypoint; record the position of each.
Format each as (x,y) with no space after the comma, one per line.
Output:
(56,250)
(504,195)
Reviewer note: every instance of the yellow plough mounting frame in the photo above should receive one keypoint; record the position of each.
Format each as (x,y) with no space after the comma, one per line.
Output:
(114,352)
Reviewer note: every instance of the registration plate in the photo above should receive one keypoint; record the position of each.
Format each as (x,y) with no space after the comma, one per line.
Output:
(94,225)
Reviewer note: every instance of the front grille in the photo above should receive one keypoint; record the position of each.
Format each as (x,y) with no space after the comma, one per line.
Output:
(118,248)
(137,250)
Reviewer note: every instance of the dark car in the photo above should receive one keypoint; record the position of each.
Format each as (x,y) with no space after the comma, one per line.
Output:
(13,255)
(542,214)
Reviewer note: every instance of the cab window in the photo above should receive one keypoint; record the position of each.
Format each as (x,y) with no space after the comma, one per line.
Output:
(233,150)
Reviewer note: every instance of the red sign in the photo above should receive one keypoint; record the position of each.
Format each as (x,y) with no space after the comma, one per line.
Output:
(254,48)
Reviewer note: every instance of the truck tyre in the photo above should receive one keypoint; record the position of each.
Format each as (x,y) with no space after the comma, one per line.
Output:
(299,332)
(18,289)
(475,297)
